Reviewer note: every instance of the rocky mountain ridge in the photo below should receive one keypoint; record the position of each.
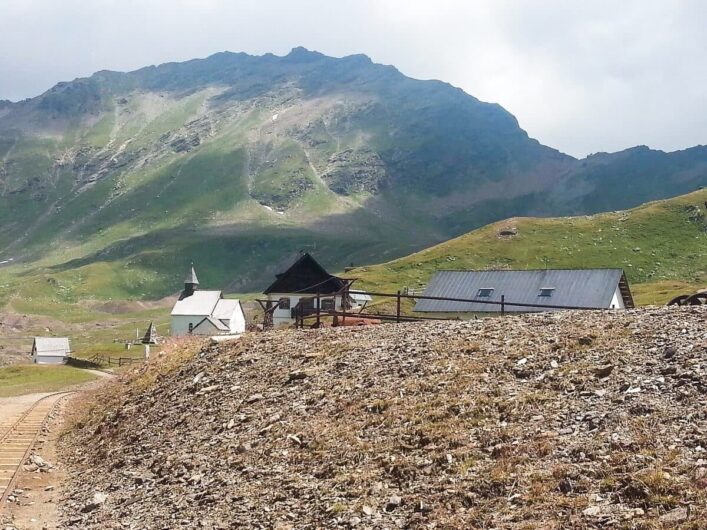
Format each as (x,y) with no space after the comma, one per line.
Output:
(248,152)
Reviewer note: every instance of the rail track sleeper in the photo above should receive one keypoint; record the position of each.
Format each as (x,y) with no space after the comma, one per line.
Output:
(19,437)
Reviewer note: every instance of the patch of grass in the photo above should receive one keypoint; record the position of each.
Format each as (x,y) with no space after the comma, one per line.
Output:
(660,293)
(99,134)
(19,380)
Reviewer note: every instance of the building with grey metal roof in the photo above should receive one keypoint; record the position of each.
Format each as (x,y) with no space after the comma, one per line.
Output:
(360,297)
(570,288)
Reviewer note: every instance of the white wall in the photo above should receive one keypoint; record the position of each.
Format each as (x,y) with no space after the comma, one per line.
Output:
(206,329)
(282,317)
(49,359)
(180,324)
(237,323)
(617,301)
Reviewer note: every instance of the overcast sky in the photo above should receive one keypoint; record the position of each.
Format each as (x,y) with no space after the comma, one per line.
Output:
(581,76)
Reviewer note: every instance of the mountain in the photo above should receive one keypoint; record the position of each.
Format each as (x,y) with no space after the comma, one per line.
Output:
(662,247)
(110,185)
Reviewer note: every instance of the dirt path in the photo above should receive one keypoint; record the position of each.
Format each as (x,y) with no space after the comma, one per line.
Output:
(100,373)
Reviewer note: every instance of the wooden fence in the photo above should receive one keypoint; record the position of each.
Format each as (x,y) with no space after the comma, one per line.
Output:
(303,313)
(107,360)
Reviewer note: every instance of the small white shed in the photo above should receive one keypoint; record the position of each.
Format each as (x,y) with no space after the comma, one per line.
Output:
(50,350)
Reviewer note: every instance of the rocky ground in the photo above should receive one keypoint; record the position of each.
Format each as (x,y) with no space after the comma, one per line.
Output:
(564,420)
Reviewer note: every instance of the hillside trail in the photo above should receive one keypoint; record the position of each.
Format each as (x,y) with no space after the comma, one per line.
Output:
(40,417)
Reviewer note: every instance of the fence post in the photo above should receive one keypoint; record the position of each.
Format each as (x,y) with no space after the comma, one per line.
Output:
(319,309)
(503,304)
(397,314)
(344,301)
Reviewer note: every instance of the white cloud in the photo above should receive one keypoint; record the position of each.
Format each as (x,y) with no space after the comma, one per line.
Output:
(579,76)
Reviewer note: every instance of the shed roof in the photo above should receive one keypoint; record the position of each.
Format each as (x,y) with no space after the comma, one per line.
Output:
(360,296)
(199,303)
(305,275)
(225,308)
(590,288)
(217,324)
(51,346)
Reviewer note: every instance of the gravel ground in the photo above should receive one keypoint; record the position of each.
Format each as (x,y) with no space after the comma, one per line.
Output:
(563,420)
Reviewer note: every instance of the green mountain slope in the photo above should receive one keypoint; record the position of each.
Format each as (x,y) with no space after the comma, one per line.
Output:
(662,246)
(111,184)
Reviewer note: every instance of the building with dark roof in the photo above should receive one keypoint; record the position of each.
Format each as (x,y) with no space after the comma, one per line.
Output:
(306,275)
(576,288)
(299,285)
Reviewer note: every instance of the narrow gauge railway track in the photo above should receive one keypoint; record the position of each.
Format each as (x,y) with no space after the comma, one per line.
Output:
(18,438)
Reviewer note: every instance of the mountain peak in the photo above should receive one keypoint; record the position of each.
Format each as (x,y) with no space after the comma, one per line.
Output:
(302,139)
(362,58)
(302,54)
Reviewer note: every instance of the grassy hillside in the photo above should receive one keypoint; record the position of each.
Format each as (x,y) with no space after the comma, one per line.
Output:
(19,380)
(91,326)
(662,246)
